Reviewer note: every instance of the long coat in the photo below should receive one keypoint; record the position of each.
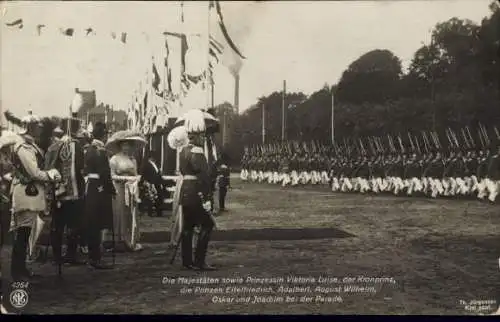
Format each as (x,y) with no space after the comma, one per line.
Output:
(28,161)
(99,192)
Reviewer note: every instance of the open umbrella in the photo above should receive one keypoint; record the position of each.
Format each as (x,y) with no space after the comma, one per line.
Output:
(196,120)
(113,144)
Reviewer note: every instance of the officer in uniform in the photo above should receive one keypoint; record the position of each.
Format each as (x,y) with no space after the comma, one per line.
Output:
(195,197)
(28,193)
(99,193)
(67,156)
(224,184)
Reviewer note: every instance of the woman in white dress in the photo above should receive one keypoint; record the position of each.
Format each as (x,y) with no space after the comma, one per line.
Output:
(124,164)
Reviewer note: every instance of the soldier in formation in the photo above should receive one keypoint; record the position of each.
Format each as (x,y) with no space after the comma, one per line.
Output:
(466,170)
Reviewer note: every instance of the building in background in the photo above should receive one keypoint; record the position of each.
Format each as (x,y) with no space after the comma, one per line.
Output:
(116,120)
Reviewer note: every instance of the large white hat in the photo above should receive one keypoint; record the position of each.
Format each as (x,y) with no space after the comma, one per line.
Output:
(121,136)
(178,138)
(197,121)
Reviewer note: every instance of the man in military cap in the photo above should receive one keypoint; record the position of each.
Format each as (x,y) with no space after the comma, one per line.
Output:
(67,156)
(28,192)
(195,197)
(98,212)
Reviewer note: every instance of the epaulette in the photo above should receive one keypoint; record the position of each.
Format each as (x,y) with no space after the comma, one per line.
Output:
(197,149)
(19,145)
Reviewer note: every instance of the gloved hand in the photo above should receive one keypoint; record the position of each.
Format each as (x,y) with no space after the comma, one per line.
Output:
(54,175)
(8,176)
(207,206)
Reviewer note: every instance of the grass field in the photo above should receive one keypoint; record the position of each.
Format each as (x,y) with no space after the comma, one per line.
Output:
(440,253)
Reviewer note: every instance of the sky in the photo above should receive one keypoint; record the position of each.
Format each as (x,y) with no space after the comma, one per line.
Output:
(306,43)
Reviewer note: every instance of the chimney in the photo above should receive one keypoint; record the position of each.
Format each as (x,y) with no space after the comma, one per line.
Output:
(237,93)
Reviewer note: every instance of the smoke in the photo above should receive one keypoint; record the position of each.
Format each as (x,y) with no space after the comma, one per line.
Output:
(239,18)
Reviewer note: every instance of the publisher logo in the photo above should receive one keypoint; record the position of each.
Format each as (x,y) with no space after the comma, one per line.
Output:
(18,298)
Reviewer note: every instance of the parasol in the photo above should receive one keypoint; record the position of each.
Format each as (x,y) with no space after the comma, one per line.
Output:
(113,144)
(196,120)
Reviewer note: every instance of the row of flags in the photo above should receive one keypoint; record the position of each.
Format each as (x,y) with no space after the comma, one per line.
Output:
(69,32)
(151,103)
(151,106)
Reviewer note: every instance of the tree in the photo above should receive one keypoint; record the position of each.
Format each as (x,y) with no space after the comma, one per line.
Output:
(373,77)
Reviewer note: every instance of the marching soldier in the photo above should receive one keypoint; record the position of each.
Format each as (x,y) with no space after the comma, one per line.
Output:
(482,173)
(98,210)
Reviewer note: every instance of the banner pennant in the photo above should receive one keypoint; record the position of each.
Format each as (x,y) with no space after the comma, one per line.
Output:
(17,23)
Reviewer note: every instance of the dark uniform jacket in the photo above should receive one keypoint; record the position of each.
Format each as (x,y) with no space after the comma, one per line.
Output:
(192,162)
(224,180)
(59,156)
(98,203)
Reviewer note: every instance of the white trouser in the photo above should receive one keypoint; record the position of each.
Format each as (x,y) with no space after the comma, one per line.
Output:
(295,178)
(492,187)
(346,184)
(335,184)
(325,179)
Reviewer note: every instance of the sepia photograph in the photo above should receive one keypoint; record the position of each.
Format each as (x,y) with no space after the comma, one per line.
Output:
(250,157)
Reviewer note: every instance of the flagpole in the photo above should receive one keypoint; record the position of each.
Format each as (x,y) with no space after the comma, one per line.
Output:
(112,118)
(263,124)
(283,112)
(333,117)
(207,53)
(180,105)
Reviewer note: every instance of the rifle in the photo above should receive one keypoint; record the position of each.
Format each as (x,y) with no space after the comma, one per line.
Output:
(418,145)
(485,133)
(467,144)
(411,142)
(496,132)
(449,138)
(470,137)
(454,137)
(361,146)
(401,144)
(435,138)
(480,138)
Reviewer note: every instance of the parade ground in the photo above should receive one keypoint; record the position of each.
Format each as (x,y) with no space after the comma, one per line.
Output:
(356,254)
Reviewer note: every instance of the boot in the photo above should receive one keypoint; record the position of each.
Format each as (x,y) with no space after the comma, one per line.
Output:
(187,249)
(201,251)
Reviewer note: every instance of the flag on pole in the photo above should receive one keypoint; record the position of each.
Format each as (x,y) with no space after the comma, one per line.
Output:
(184,47)
(156,78)
(39,29)
(16,23)
(123,38)
(67,32)
(223,29)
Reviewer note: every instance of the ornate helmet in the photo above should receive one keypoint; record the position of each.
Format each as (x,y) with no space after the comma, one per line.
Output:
(28,120)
